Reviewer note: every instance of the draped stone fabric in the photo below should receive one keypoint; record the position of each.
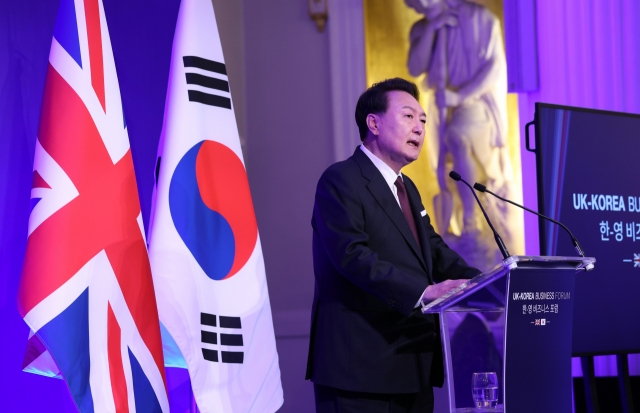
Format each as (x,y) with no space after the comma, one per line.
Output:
(472,44)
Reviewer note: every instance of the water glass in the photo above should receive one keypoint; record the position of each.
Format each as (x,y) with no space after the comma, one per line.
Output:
(485,390)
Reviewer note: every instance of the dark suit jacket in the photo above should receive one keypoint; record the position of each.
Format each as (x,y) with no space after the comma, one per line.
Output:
(366,334)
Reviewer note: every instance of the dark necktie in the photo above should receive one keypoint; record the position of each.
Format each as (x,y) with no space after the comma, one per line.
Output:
(406,208)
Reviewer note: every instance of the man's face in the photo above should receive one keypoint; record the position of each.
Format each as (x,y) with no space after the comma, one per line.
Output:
(399,132)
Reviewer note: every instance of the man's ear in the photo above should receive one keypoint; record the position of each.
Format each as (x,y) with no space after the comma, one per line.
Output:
(372,123)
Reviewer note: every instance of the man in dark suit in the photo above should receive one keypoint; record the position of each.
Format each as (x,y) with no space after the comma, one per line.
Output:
(376,257)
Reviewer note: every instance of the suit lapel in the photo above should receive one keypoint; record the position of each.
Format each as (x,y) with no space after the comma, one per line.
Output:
(383,195)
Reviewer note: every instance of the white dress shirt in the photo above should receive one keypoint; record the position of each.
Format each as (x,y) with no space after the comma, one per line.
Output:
(390,178)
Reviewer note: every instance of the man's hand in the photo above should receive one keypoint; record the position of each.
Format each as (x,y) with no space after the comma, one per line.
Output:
(437,290)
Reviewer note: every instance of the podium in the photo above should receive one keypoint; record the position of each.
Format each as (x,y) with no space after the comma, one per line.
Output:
(515,320)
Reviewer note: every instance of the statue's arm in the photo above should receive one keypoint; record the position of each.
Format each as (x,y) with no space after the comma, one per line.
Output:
(421,38)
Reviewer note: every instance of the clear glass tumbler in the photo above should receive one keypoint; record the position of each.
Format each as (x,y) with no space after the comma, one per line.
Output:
(485,390)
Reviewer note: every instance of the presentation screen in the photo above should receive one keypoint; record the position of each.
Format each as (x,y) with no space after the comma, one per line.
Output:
(588,170)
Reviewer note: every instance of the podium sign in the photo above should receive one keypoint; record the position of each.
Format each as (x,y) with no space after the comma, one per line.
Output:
(515,320)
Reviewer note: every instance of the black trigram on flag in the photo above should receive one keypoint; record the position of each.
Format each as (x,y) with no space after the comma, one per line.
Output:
(229,336)
(216,80)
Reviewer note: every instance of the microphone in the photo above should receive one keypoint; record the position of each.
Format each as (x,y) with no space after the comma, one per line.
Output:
(503,249)
(574,240)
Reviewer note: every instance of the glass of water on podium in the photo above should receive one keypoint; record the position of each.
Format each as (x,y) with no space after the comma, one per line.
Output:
(485,390)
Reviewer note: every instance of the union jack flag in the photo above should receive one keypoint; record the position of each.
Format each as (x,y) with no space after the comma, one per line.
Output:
(86,289)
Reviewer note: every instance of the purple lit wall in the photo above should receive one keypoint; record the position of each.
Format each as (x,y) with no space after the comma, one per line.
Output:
(589,56)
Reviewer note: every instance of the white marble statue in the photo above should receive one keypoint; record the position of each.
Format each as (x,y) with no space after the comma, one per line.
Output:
(459,46)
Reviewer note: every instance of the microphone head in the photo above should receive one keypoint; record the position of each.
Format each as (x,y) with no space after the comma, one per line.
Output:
(479,187)
(455,176)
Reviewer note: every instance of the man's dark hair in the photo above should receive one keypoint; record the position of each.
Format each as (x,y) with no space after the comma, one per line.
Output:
(374,100)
